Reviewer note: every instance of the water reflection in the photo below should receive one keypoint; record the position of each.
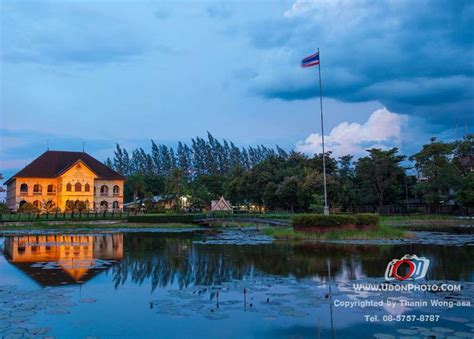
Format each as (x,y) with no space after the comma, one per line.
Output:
(63,259)
(163,259)
(169,259)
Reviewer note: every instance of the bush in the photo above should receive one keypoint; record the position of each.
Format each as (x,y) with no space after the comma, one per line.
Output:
(367,219)
(334,220)
(163,218)
(4,208)
(28,208)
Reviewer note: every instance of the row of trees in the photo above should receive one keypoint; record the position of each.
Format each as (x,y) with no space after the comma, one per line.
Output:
(440,174)
(202,157)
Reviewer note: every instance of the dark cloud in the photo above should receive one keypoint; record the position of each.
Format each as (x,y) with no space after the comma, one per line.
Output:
(414,55)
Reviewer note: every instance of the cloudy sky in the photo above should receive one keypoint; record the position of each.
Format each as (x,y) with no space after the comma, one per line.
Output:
(394,74)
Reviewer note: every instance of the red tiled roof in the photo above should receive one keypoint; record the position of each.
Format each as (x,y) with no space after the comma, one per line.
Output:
(50,164)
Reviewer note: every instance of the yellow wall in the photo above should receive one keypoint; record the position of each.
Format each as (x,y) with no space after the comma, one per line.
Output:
(78,173)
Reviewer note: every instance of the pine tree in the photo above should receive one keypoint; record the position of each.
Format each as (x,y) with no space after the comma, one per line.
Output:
(156,158)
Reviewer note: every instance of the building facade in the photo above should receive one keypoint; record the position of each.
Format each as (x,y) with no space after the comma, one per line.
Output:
(59,180)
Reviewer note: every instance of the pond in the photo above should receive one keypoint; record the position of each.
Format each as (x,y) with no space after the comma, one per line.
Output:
(234,283)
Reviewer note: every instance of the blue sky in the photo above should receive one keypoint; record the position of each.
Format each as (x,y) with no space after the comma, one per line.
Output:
(394,74)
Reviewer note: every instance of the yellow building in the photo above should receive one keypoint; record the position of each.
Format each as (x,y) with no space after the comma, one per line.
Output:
(62,180)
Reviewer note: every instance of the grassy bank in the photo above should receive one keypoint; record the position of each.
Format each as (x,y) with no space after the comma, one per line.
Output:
(382,232)
(426,222)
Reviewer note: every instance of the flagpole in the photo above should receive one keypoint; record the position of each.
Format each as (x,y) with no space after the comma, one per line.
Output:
(326,207)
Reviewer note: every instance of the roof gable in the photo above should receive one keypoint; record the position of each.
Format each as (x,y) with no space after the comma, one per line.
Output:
(51,164)
(220,205)
(78,166)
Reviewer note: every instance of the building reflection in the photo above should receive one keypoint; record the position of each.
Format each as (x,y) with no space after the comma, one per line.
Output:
(63,259)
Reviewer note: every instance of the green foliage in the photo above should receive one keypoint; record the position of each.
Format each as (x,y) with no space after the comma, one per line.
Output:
(380,175)
(76,206)
(438,172)
(135,183)
(28,208)
(466,192)
(163,218)
(334,220)
(3,208)
(291,181)
(368,219)
(382,232)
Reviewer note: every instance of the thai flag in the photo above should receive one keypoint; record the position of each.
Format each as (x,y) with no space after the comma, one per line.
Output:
(311,60)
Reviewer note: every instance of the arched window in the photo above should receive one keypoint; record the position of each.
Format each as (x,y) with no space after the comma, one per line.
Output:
(77,187)
(37,189)
(116,190)
(104,190)
(68,187)
(115,205)
(37,204)
(87,188)
(22,203)
(24,189)
(104,205)
(50,189)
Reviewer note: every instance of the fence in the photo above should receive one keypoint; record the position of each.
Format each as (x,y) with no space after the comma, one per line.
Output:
(58,216)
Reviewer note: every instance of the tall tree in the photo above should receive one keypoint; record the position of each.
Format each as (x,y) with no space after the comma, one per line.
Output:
(381,174)
(438,176)
(136,184)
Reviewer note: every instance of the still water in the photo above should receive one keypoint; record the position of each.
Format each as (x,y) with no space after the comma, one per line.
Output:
(237,284)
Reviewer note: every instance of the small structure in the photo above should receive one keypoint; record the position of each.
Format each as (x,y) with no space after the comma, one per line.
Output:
(221,205)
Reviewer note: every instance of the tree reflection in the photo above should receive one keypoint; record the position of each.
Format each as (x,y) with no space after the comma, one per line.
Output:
(172,258)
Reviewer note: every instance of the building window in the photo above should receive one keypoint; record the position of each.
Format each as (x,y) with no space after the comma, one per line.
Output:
(37,204)
(104,190)
(68,187)
(37,189)
(50,189)
(77,187)
(115,205)
(23,189)
(116,190)
(87,188)
(104,206)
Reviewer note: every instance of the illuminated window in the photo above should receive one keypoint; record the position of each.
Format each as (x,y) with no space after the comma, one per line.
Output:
(37,189)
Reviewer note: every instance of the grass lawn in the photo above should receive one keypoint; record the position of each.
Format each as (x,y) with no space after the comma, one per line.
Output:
(383,232)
